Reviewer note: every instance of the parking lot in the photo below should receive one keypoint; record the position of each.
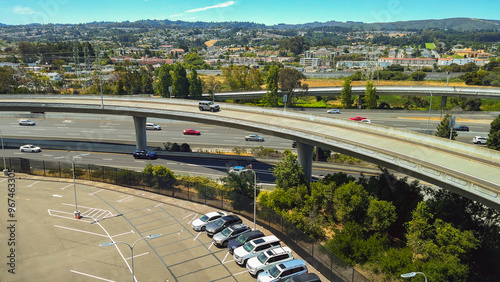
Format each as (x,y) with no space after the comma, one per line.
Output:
(51,245)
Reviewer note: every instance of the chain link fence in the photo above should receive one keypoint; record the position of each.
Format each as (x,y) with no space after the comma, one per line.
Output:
(311,250)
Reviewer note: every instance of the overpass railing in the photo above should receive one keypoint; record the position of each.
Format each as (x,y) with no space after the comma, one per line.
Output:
(325,261)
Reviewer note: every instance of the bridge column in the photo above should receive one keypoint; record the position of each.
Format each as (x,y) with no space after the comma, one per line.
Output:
(141,142)
(305,158)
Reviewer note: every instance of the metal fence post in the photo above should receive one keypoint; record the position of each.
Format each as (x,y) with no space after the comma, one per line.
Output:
(43,162)
(59,164)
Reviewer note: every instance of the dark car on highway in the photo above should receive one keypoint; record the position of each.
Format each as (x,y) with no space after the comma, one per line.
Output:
(242,239)
(461,128)
(221,223)
(145,154)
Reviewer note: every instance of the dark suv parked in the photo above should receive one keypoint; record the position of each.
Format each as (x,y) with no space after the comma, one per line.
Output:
(221,223)
(242,239)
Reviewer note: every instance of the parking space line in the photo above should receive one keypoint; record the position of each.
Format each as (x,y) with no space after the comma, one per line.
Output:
(196,236)
(32,184)
(188,216)
(149,214)
(158,205)
(66,186)
(3,180)
(96,277)
(71,216)
(119,201)
(93,193)
(118,235)
(197,270)
(83,231)
(139,255)
(240,273)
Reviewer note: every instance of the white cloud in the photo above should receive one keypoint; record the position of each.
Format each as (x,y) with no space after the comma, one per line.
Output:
(177,15)
(23,10)
(221,5)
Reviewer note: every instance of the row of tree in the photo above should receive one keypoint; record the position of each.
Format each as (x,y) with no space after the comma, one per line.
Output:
(383,224)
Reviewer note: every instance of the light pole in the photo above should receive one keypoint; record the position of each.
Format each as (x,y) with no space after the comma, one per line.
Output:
(412,274)
(131,248)
(429,119)
(213,92)
(72,159)
(5,171)
(254,195)
(100,80)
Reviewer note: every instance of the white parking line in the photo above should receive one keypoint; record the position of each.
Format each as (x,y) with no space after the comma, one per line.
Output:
(158,205)
(100,278)
(240,273)
(187,216)
(131,231)
(124,199)
(197,236)
(77,230)
(4,180)
(96,192)
(139,255)
(66,186)
(32,184)
(57,196)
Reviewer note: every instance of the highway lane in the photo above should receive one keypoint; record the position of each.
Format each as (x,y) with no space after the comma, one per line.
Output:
(96,128)
(212,168)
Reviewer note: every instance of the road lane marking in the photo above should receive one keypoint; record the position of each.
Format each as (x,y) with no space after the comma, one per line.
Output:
(93,276)
(57,196)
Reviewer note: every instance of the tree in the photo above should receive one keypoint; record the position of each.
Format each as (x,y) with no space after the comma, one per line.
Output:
(381,214)
(346,94)
(195,86)
(180,83)
(8,84)
(351,202)
(241,186)
(443,129)
(370,99)
(288,172)
(271,97)
(146,84)
(288,80)
(164,81)
(493,141)
(418,75)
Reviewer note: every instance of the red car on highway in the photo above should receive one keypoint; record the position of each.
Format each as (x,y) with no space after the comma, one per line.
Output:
(357,118)
(191,132)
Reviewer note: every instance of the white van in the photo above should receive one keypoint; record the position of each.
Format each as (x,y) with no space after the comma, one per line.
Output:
(152,126)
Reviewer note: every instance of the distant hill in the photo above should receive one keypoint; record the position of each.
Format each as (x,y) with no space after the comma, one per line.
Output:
(459,24)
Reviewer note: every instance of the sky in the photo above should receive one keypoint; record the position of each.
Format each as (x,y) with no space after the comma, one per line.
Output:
(267,12)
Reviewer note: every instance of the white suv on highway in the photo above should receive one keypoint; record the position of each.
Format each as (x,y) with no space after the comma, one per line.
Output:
(479,140)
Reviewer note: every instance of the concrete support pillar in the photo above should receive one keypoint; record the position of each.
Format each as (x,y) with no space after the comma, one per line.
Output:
(141,142)
(360,101)
(444,99)
(305,156)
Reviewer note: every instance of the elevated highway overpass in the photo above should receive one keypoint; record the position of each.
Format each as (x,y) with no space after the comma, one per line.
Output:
(469,170)
(442,91)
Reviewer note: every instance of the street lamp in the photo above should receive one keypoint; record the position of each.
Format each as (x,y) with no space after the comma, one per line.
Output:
(254,195)
(412,274)
(429,119)
(72,159)
(131,248)
(100,80)
(5,171)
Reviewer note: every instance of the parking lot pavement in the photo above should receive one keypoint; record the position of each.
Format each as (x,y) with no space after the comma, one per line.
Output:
(51,245)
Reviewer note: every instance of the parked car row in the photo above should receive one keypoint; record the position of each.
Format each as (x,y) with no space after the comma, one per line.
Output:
(263,256)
